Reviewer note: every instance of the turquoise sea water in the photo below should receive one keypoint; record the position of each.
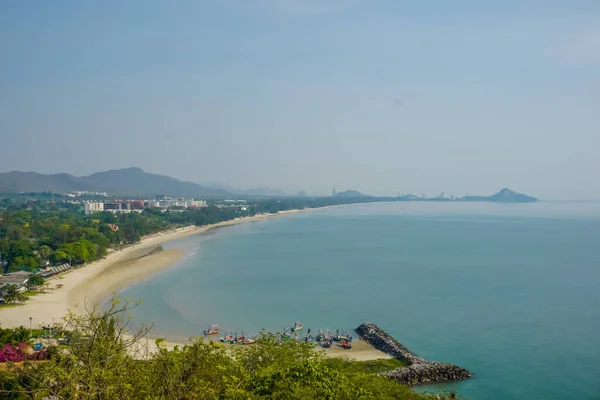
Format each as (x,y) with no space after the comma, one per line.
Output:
(509,291)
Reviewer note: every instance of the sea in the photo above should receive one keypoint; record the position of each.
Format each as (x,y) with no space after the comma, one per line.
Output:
(508,291)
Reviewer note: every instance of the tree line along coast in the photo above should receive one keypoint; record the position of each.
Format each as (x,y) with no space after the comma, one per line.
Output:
(41,236)
(44,233)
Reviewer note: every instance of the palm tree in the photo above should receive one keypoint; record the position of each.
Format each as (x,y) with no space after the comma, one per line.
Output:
(12,294)
(45,252)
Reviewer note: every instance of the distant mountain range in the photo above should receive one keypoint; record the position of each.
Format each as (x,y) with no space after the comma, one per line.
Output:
(136,182)
(503,196)
(119,182)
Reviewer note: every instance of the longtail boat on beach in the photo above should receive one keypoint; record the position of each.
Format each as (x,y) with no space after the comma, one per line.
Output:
(249,341)
(212,330)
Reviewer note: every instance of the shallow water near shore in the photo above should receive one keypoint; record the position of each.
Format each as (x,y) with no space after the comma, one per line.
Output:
(509,291)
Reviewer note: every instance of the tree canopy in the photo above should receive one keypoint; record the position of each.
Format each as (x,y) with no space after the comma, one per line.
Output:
(34,281)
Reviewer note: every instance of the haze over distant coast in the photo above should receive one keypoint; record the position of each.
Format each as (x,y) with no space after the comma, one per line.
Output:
(136,182)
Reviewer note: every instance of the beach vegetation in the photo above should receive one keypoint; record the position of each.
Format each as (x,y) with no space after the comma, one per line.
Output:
(14,336)
(34,281)
(12,295)
(107,357)
(367,366)
(30,293)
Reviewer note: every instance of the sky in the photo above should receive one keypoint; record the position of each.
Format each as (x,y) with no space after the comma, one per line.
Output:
(381,96)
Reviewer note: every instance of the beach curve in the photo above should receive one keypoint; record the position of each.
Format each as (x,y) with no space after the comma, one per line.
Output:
(88,286)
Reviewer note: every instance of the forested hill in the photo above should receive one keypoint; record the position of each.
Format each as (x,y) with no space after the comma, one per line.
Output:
(119,182)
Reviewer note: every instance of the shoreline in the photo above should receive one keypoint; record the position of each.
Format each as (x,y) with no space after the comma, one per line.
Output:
(88,286)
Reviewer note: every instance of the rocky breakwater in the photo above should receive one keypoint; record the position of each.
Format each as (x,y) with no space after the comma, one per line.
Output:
(419,370)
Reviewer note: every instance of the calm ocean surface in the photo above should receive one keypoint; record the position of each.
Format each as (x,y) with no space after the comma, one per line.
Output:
(509,291)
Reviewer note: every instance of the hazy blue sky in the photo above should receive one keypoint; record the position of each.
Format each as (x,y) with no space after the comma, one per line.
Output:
(460,96)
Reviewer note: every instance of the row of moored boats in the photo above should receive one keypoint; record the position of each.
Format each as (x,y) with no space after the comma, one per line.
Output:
(324,338)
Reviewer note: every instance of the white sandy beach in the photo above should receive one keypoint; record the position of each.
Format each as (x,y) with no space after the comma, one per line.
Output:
(87,286)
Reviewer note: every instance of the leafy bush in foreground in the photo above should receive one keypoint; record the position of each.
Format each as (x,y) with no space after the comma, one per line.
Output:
(107,359)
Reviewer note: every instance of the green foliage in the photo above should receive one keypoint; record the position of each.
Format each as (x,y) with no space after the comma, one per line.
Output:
(34,281)
(79,252)
(12,295)
(369,366)
(14,336)
(11,387)
(45,252)
(106,358)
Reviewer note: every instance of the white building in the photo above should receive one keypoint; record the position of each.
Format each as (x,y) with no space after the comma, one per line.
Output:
(153,203)
(445,196)
(18,278)
(197,203)
(93,207)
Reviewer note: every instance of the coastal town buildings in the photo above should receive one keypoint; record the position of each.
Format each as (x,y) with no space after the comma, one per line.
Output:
(127,206)
(80,193)
(93,207)
(18,278)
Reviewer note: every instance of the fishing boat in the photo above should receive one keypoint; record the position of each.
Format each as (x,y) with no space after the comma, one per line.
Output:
(297,327)
(341,337)
(228,338)
(240,339)
(289,335)
(346,345)
(212,330)
(249,341)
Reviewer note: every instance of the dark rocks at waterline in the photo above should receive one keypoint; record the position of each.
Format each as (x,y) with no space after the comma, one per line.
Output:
(420,370)
(417,374)
(379,339)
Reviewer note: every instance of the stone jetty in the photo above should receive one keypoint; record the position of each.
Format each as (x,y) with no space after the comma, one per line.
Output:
(419,370)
